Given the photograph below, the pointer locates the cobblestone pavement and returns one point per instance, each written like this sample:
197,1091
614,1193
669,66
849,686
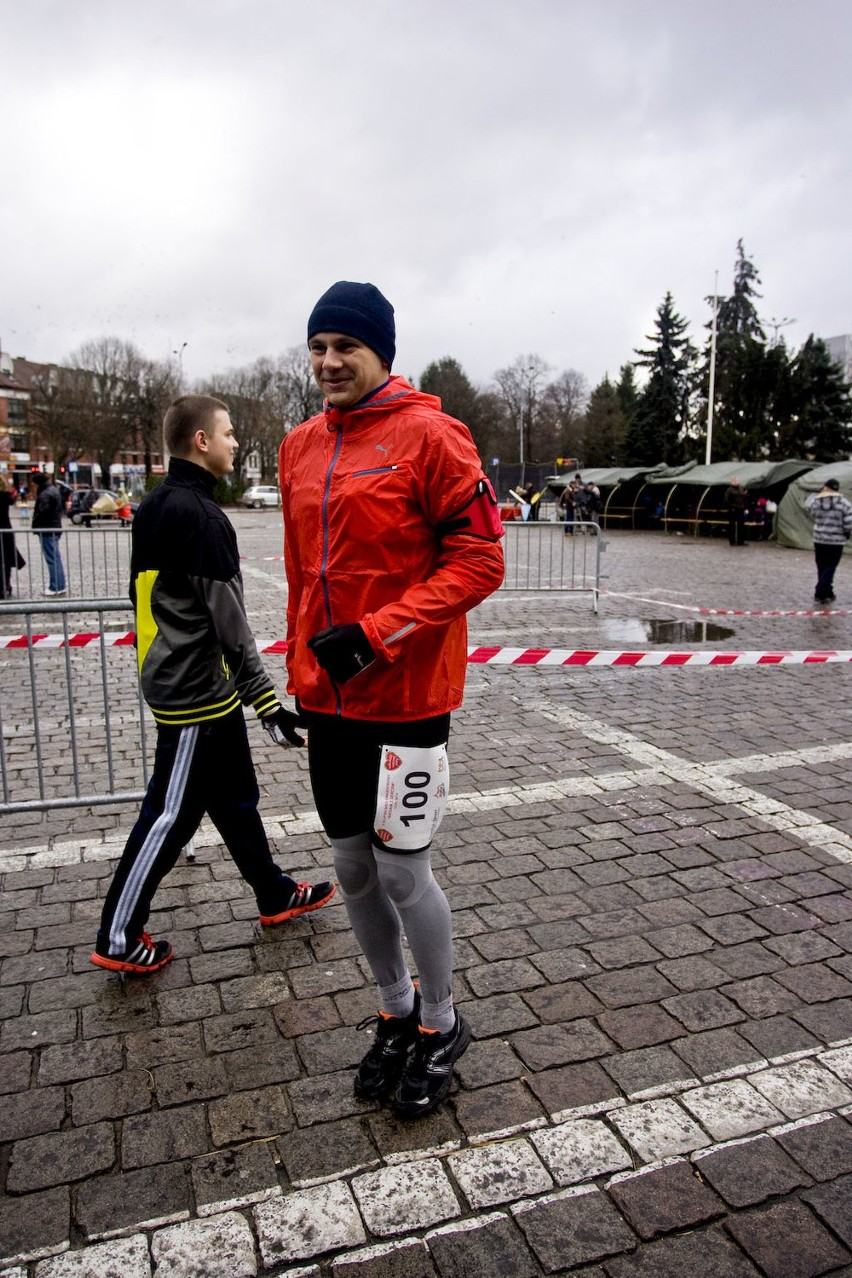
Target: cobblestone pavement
650,872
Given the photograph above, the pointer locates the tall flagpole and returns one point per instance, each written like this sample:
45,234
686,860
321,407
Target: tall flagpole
711,394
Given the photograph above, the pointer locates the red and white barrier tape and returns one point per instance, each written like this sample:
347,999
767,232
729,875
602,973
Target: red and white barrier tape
488,656
732,612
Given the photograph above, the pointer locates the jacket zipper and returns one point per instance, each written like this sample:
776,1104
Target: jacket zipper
375,470
325,536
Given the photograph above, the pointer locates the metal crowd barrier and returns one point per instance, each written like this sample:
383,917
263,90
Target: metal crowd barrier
541,556
96,562
73,724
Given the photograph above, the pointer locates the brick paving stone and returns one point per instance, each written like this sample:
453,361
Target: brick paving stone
249,1115
703,1010
400,1142
17,1072
730,1109
400,1259
195,1003
777,1036
323,1099
494,1109
762,996
396,1200
110,1205
236,1030
839,1061
815,983
40,1030
490,1246
148,1139
781,919
643,1026
750,958
801,1088
41,1162
564,965
677,942
335,1049
701,1252
572,1228
32,1113
111,1096
305,1016
802,947
622,952
564,1001
568,1087
304,1224
509,944
786,1240
67,1062
658,1129
221,1247
647,1068
732,929
715,1052
747,1172
831,1022
327,1150
632,986
113,1014
152,1047
692,973
823,1149
503,977
833,1203
499,1173
668,1198
34,1225
490,1061
183,1081
550,1045
124,1258
580,1150
234,1178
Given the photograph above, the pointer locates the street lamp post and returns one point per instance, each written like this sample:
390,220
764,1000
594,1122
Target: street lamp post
711,392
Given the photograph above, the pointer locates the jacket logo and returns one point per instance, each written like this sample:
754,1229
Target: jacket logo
380,448
392,761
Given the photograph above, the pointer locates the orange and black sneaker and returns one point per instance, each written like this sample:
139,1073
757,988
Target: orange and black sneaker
384,1064
301,901
429,1071
139,959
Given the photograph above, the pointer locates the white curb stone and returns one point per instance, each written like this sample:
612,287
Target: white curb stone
220,1247
499,1173
839,1062
658,1129
397,1200
802,1088
302,1225
123,1258
580,1150
731,1109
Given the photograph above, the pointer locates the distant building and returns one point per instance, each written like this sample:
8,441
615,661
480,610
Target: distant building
840,350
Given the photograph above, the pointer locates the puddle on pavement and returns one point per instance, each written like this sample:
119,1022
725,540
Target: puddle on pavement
632,630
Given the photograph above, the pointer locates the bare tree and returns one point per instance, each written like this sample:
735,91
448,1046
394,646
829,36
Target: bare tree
521,388
112,371
565,400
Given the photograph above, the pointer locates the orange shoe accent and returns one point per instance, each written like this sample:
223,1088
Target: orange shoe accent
269,920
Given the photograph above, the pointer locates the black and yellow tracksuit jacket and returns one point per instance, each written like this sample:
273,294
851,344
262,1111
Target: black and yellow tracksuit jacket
197,656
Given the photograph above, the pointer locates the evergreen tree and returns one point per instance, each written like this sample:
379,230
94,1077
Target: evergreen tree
604,427
662,410
480,411
819,425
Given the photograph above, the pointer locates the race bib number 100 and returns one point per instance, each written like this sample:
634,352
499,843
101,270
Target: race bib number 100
412,794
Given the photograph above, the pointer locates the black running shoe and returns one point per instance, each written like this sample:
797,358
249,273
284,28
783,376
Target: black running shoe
429,1072
139,959
383,1066
302,901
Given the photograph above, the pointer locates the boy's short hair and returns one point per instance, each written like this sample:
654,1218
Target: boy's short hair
184,417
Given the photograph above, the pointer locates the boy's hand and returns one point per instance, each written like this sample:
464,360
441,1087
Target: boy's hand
342,651
282,726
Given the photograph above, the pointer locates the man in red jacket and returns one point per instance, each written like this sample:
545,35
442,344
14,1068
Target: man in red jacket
391,536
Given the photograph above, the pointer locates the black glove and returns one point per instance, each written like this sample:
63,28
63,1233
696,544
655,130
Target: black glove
282,726
342,651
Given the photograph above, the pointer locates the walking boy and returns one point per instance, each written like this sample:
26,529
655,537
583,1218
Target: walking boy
199,666
832,516
391,536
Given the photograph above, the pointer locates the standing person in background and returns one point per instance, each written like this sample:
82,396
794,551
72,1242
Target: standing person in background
10,556
832,516
735,501
566,504
198,666
391,535
47,522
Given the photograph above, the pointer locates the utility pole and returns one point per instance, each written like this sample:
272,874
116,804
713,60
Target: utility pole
711,393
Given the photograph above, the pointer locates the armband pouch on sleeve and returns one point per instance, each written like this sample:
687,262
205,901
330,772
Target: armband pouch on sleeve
480,517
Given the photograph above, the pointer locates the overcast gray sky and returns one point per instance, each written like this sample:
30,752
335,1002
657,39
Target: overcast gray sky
515,175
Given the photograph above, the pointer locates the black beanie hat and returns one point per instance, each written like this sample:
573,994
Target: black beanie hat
833,484
360,311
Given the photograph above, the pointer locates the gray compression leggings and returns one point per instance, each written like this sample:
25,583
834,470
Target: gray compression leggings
384,893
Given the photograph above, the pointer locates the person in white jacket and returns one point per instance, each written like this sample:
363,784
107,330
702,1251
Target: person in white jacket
832,516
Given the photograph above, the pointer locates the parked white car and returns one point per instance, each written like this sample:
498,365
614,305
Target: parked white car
261,495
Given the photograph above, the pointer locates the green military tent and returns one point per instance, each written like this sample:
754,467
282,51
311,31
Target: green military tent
793,525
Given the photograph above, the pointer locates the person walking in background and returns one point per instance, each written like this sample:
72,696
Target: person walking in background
47,522
566,504
391,535
735,502
198,665
832,516
10,556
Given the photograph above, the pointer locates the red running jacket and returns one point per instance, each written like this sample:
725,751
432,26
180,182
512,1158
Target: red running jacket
389,522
